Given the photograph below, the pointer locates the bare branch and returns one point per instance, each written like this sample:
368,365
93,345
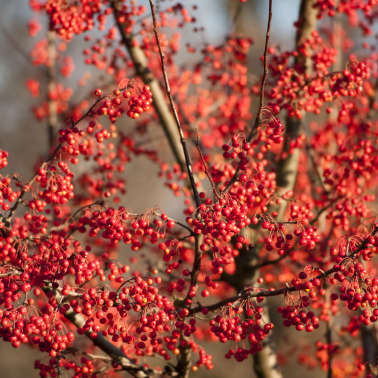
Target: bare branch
101,342
139,59
329,352
188,162
369,340
264,77
52,124
262,94
288,166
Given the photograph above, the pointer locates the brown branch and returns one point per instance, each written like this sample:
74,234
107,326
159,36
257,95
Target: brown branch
264,361
264,77
262,95
183,366
329,352
188,162
52,124
369,341
139,59
101,342
236,15
206,169
196,267
288,166
323,209
315,167
273,261
329,335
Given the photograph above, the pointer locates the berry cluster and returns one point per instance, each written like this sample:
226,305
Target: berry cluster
70,19
356,10
7,194
138,101
3,159
232,328
301,319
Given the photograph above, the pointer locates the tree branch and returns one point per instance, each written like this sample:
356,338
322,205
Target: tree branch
51,157
369,340
52,124
101,342
329,352
262,93
264,361
183,366
188,162
139,59
246,294
288,166
265,75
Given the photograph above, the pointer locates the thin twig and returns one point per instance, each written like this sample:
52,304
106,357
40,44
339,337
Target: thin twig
329,351
184,358
13,41
264,77
322,210
287,167
198,252
211,181
262,95
140,62
188,162
52,124
315,167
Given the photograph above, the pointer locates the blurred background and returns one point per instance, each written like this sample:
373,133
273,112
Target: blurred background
26,139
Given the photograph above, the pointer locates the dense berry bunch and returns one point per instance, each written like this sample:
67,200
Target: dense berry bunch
138,101
234,329
70,18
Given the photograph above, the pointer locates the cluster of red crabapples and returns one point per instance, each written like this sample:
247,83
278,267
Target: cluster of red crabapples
233,328
355,298
139,101
116,225
238,149
83,368
55,183
110,313
301,319
353,9
312,93
3,159
7,194
220,220
75,18
39,330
